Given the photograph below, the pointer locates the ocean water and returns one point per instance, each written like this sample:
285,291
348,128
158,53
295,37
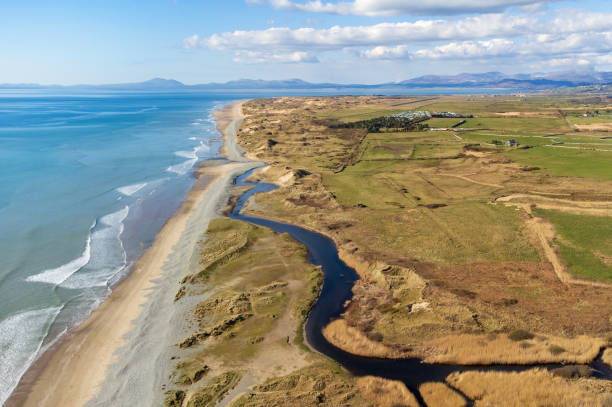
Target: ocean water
86,182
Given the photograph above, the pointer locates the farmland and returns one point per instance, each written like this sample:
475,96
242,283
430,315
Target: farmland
489,238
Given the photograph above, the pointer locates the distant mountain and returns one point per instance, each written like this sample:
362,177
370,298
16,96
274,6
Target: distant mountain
252,84
495,80
154,84
519,81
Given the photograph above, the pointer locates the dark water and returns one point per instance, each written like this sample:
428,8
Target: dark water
337,284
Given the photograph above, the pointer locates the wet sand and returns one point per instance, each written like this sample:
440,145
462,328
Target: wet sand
115,355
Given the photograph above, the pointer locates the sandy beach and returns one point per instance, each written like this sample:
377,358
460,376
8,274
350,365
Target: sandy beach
120,354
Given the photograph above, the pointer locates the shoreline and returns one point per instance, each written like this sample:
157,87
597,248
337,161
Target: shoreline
77,367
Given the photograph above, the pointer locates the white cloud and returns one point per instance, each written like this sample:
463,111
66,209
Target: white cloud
468,49
385,8
383,52
191,42
527,37
569,62
373,35
578,50
254,57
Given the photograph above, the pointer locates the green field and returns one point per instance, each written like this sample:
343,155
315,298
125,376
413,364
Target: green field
517,124
442,122
585,243
566,162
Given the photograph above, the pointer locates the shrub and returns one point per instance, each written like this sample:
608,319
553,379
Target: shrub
555,350
520,335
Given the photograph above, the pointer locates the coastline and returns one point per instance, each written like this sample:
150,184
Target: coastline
74,370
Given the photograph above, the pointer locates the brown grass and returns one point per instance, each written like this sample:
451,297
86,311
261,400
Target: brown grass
535,387
594,127
440,395
352,340
500,349
320,385
607,357
386,393
540,115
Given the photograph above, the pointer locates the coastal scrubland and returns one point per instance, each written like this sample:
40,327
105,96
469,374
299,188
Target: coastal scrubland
245,344
260,287
484,243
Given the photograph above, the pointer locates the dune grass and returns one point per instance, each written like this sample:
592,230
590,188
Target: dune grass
318,385
263,286
214,390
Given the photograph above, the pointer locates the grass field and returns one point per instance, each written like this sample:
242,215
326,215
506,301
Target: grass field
518,124
566,162
441,122
585,243
428,203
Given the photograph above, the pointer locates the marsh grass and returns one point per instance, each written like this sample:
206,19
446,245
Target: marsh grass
440,395
607,357
520,335
352,340
499,349
532,388
386,393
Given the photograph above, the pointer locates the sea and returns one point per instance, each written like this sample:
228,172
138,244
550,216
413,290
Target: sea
87,180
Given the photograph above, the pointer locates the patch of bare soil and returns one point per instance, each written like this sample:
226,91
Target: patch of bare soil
579,207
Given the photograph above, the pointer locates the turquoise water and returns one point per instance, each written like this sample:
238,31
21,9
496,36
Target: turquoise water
86,181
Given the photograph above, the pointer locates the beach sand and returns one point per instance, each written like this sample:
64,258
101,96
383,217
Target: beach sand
121,354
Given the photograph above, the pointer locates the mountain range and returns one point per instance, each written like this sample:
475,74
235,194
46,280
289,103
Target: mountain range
494,80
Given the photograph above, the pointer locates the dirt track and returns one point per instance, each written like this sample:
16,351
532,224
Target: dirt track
544,232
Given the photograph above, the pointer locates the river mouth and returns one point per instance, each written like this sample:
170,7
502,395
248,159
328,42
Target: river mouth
338,281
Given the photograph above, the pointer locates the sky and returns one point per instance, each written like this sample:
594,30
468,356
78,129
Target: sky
343,41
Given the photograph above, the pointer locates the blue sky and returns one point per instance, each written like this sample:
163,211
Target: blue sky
366,41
